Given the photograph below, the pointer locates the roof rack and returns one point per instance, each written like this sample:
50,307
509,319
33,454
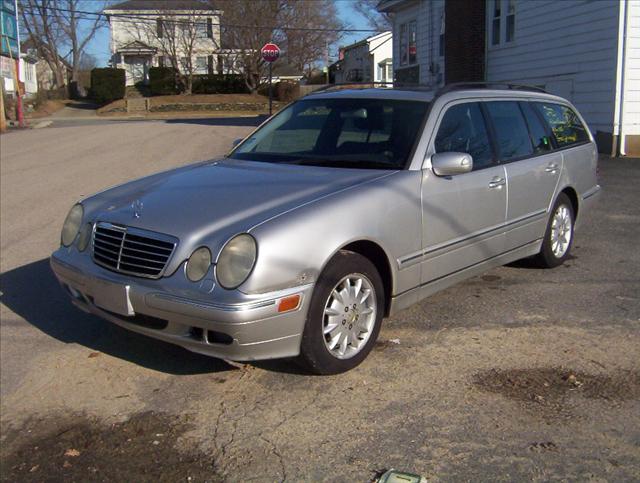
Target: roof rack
487,85
357,85
425,87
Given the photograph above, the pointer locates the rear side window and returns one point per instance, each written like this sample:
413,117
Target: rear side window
537,130
565,124
512,134
463,130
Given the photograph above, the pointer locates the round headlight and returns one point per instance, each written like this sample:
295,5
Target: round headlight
71,225
198,264
85,236
236,261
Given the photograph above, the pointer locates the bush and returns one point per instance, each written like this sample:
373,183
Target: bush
162,81
219,84
283,91
287,91
107,84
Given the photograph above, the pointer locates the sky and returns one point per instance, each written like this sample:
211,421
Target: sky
99,46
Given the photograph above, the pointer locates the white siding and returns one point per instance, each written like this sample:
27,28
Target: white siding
428,15
569,47
380,48
631,104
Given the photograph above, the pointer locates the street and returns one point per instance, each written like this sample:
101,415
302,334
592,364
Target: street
519,374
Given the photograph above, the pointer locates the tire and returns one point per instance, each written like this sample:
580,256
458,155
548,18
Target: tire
335,320
552,255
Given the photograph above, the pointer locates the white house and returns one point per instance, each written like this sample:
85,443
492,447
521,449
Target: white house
146,33
586,51
369,60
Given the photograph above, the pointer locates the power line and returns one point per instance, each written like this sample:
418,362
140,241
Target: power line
86,15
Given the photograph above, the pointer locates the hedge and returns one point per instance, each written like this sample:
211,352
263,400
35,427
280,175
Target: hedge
107,84
162,81
219,84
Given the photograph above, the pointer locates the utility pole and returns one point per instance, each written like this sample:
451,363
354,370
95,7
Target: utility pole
19,105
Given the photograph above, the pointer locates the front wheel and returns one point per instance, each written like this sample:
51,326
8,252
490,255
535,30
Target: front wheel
559,235
344,317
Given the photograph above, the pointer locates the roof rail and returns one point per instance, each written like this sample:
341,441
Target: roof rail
344,85
456,86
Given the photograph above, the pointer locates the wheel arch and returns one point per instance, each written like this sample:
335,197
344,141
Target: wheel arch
376,255
573,197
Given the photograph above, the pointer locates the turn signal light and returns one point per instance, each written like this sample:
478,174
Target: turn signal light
289,303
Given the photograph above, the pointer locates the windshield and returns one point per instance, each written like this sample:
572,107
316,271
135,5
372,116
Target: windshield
348,133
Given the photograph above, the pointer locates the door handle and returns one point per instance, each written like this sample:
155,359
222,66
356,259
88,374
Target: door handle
551,168
497,182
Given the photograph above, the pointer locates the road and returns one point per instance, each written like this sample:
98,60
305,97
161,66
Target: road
519,374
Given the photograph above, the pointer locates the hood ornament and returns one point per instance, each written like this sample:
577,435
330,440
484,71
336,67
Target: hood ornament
137,206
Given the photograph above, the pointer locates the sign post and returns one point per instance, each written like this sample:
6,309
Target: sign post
270,53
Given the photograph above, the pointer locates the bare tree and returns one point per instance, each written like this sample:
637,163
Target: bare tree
303,28
375,19
58,26
76,36
304,48
41,26
246,26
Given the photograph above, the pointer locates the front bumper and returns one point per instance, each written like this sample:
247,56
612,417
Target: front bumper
232,326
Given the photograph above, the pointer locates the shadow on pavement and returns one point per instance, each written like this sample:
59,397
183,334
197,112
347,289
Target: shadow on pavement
222,121
33,293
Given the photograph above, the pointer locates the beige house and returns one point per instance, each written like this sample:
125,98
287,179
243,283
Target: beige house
147,33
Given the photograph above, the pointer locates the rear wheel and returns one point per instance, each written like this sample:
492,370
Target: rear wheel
558,238
344,316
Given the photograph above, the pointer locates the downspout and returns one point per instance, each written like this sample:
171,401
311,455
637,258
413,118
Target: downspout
619,149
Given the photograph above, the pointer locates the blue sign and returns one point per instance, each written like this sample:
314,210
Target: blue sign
8,29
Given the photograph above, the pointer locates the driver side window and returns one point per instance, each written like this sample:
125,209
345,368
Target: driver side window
463,130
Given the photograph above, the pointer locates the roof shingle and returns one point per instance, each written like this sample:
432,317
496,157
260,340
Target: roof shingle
161,5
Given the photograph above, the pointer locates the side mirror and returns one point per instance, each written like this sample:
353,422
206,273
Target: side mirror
236,142
451,163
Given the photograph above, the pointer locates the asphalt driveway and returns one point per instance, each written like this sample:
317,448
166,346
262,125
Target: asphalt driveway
517,374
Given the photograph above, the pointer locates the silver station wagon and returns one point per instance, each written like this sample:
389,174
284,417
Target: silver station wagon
345,207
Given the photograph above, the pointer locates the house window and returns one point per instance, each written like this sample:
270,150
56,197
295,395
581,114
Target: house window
408,44
202,65
159,30
511,20
495,23
503,13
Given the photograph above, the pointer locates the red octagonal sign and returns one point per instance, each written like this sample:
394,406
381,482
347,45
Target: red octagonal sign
270,52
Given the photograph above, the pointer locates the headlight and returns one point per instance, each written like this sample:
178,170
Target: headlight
71,225
198,264
85,236
236,261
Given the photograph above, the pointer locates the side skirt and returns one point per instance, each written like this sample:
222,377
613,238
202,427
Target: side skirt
414,295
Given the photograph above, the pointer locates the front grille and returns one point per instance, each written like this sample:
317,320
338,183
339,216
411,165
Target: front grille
131,251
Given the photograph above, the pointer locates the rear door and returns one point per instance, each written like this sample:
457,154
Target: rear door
463,215
525,148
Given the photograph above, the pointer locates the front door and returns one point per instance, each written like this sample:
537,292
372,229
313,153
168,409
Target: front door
463,215
137,68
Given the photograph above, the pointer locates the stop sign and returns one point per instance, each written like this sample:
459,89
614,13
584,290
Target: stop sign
270,52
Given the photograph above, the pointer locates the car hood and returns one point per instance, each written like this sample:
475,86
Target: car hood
207,203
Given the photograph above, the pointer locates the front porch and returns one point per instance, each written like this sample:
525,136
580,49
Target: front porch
135,58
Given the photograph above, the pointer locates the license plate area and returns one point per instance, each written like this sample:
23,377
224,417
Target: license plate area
113,297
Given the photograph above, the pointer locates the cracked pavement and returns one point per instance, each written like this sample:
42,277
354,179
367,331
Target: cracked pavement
415,406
